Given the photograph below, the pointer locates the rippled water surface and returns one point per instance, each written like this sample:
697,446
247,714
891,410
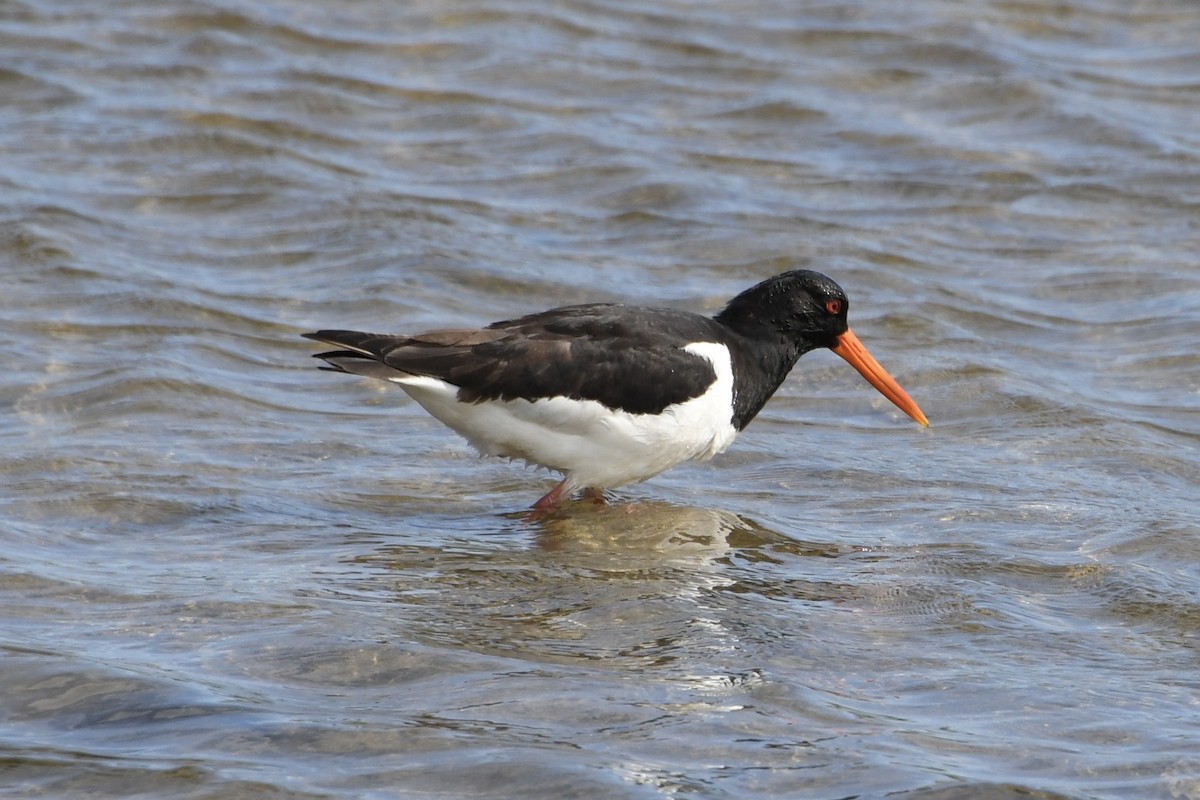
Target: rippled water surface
226,574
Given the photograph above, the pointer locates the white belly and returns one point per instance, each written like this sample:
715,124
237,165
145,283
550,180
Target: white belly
593,445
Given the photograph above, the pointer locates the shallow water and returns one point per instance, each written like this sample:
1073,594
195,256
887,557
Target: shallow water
226,574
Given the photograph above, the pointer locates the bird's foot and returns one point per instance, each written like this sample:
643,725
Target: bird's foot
552,498
596,496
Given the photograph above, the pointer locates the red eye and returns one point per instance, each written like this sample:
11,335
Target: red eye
834,307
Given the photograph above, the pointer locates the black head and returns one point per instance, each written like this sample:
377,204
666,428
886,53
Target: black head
783,318
803,308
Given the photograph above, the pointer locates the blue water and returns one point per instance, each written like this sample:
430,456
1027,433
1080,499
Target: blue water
227,574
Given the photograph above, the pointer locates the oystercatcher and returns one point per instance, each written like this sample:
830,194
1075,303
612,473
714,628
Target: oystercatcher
611,394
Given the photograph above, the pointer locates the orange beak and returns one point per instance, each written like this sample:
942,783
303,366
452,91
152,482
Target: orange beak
851,349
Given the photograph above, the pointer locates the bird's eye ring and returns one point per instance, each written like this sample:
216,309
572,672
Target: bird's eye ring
834,307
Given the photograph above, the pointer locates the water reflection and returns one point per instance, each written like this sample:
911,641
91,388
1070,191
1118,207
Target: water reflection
638,535
624,584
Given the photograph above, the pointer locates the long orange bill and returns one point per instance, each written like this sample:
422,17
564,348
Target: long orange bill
851,349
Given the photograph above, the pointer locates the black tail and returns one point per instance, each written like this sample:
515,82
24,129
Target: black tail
363,356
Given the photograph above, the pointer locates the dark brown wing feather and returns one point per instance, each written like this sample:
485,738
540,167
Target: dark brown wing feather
628,359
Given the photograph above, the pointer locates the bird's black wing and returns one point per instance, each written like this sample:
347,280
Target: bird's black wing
628,359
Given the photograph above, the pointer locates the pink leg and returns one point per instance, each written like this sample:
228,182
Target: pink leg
552,498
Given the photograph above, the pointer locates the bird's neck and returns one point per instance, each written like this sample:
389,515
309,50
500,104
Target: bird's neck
760,365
